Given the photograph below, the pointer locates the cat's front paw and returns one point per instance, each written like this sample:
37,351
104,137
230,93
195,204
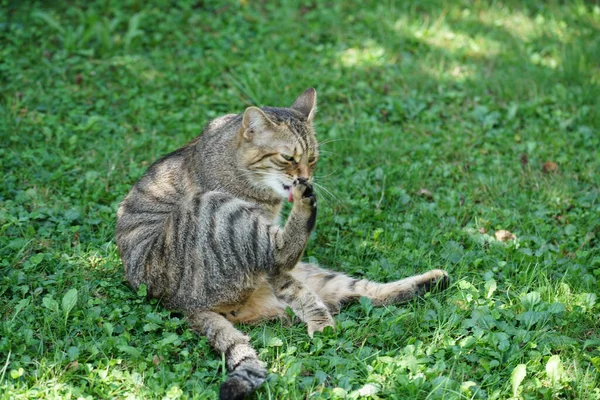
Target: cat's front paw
303,193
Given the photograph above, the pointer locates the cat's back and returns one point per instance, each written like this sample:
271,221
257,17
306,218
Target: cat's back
221,129
142,214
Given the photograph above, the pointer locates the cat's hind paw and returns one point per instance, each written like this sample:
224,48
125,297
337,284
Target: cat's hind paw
319,326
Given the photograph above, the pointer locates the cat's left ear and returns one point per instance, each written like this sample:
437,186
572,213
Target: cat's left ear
306,103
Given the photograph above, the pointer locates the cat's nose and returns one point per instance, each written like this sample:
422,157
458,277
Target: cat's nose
302,179
303,170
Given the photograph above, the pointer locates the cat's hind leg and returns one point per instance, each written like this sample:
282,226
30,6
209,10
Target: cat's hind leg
305,303
260,306
246,371
336,289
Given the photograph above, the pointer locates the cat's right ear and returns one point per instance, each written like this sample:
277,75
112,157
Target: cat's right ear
255,121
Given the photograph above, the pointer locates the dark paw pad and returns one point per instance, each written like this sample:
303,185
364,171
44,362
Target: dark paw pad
305,187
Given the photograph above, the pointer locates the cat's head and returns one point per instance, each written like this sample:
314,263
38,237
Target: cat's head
278,145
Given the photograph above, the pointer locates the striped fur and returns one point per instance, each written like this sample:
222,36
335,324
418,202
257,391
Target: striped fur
199,230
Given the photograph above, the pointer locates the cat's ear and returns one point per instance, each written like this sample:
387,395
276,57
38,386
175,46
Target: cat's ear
306,103
255,121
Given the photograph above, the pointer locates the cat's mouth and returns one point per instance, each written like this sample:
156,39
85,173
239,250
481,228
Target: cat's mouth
288,189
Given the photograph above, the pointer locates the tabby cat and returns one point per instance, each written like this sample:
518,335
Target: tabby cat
200,229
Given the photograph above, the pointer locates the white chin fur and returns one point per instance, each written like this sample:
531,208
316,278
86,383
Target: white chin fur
276,185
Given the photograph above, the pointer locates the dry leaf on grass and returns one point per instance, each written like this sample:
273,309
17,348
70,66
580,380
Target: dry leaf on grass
482,230
504,236
549,166
73,365
425,193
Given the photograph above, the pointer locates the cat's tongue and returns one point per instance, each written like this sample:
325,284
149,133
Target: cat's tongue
290,197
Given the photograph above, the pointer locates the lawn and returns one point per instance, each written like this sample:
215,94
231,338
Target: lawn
442,122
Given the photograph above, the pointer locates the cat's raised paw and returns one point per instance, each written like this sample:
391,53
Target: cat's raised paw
303,192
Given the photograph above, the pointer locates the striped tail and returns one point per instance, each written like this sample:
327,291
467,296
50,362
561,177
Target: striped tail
246,371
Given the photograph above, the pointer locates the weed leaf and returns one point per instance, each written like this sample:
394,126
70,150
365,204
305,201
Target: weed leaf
554,369
50,303
142,291
21,305
69,300
366,304
108,328
517,377
50,20
490,287
530,300
132,351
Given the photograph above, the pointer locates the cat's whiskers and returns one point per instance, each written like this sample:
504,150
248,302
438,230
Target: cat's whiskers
329,174
322,189
330,141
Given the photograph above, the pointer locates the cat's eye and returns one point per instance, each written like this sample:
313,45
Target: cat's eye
287,158
312,160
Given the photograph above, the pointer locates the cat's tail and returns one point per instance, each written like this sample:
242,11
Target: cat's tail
246,371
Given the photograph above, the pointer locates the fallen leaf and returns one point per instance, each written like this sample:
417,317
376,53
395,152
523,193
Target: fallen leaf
562,219
425,193
504,236
75,241
482,230
549,166
73,365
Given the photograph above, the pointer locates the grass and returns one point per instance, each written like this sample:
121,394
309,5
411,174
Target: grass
492,108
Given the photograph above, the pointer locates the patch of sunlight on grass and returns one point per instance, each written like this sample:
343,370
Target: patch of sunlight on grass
448,70
545,60
524,27
516,23
441,36
370,54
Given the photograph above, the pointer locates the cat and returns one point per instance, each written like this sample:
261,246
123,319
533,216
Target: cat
200,229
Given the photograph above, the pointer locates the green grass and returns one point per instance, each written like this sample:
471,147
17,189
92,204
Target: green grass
465,99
